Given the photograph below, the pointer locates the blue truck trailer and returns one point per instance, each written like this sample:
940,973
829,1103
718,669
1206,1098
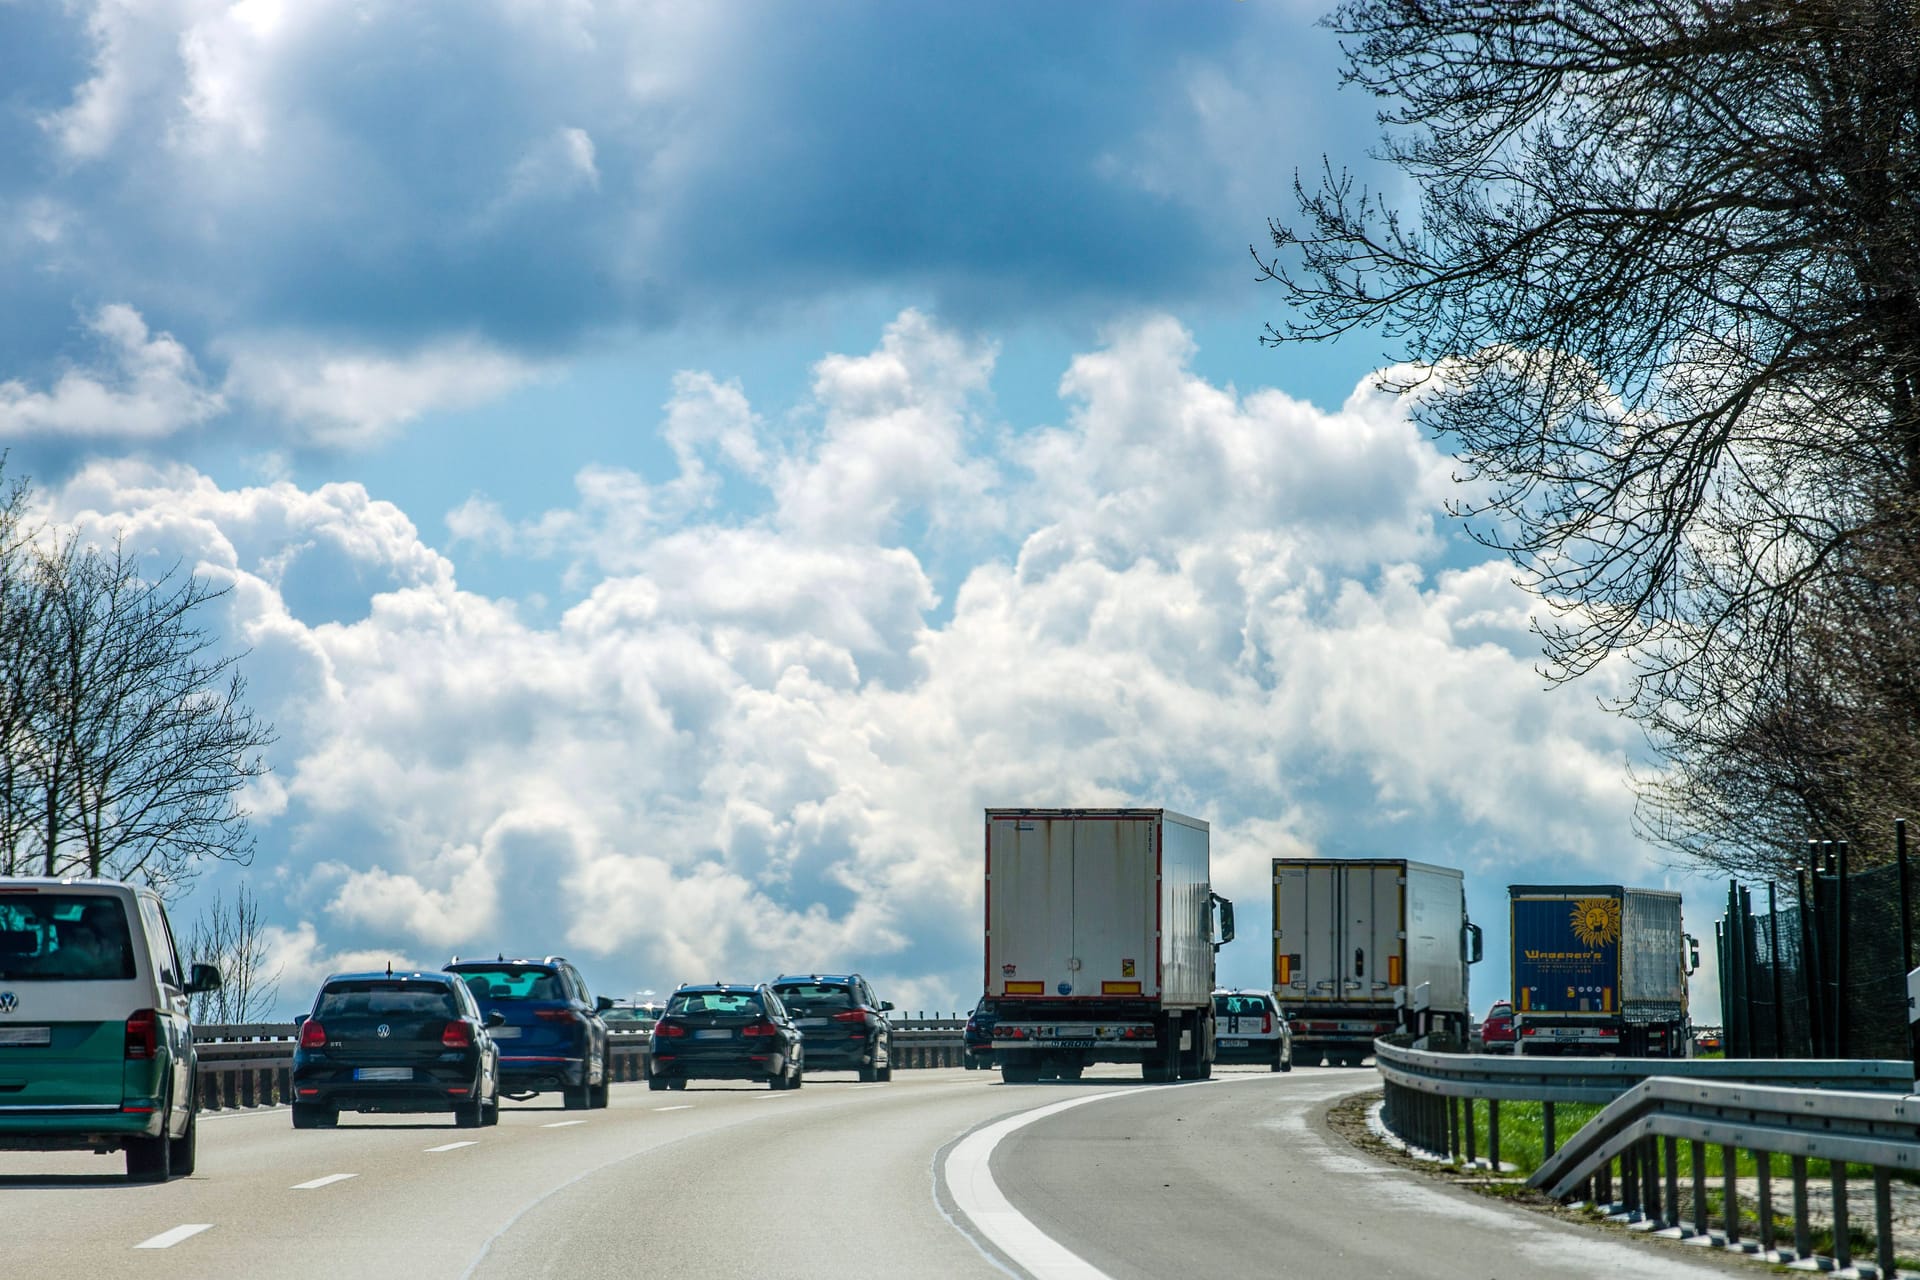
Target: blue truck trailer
1600,969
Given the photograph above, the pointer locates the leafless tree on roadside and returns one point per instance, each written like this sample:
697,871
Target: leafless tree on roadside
1661,296
229,935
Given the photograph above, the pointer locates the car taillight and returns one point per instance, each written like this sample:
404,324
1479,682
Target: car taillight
851,1015
1266,1024
554,1015
760,1028
312,1035
143,1035
458,1035
667,1030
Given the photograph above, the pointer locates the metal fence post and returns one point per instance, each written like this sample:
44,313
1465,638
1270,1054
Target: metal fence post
1883,1255
1729,1168
1671,1150
1493,1133
1842,1033
1546,1114
1842,1233
1698,1151
1802,1230
1764,1162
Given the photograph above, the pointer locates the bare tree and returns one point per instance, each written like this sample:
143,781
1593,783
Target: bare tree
230,936
1662,297
125,742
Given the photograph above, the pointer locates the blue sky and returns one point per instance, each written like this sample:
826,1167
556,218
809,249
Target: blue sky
676,464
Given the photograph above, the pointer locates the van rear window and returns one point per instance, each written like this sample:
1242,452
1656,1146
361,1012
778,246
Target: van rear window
1240,1006
64,937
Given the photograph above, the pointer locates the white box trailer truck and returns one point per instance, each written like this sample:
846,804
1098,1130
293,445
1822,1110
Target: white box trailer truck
1364,947
1100,941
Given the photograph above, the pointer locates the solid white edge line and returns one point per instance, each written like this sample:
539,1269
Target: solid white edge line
168,1239
453,1146
970,1183
317,1183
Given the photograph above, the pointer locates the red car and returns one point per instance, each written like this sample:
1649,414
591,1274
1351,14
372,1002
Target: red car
1496,1033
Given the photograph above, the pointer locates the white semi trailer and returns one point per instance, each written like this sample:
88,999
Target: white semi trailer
1100,941
1363,947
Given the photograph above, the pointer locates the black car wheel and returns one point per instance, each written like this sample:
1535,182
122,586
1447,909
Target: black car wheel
184,1147
658,1083
468,1115
149,1159
676,1084
577,1099
868,1073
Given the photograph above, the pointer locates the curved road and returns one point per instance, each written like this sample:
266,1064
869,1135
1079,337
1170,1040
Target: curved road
1235,1176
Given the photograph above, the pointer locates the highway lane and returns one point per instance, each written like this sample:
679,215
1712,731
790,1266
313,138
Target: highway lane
837,1179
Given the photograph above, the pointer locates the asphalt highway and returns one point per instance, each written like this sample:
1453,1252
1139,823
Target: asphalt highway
938,1173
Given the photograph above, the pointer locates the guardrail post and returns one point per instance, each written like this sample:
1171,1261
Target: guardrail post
1697,1151
1763,1160
1603,1183
1472,1137
1650,1192
1672,1154
1730,1166
1842,1235
1546,1114
1454,1145
1630,1181
1802,1231
1493,1133
1883,1221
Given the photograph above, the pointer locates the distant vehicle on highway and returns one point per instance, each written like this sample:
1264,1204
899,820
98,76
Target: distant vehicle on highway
395,1042
552,1037
1496,1032
976,1039
1251,1028
96,1048
1600,968
726,1031
845,1025
632,1015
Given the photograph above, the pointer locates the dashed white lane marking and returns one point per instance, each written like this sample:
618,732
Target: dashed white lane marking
453,1146
685,1106
562,1124
327,1181
168,1239
854,1088
773,1097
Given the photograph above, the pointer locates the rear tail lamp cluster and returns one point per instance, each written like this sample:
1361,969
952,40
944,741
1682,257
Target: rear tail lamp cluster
458,1035
668,1030
851,1015
312,1035
143,1035
554,1015
760,1028
1266,1024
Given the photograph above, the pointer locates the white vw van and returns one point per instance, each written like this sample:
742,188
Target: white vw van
96,1049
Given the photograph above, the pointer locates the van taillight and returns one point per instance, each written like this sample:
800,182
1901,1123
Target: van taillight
458,1035
312,1035
143,1035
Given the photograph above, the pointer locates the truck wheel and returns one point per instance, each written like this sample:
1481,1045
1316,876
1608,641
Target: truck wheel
1019,1072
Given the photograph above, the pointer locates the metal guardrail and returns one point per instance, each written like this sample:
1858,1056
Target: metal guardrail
1841,1110
1640,1133
251,1064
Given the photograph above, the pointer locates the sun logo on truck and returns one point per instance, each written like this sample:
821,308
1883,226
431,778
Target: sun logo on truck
1596,921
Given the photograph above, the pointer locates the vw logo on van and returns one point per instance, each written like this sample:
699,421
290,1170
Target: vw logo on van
383,1031
8,1002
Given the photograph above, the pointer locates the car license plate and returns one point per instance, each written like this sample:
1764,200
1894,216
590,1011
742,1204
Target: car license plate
1233,1044
25,1037
506,1033
383,1073
713,1033
812,1022
1568,1033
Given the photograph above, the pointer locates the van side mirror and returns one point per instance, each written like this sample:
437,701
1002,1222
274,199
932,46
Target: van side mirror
1474,944
886,1006
202,978
602,1004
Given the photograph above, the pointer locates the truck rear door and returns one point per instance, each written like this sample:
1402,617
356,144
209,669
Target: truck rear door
1372,946
1071,906
1338,927
1029,903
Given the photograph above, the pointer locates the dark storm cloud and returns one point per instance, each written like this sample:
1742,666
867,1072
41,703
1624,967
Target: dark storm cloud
390,174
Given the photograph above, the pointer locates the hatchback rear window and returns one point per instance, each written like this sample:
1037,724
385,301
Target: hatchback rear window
722,1002
510,982
1240,1006
385,999
64,937
814,995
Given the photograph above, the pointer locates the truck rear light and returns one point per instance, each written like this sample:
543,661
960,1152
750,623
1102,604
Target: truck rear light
1530,1031
1012,1033
760,1028
457,1035
143,1035
312,1035
1609,1031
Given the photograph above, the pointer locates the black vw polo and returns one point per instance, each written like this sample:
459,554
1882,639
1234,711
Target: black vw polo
395,1042
725,1032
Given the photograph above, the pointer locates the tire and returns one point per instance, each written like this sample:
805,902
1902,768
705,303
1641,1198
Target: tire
1283,1062
1019,1072
490,1115
468,1115
185,1147
886,1073
150,1159
577,1099
601,1096
1073,1070
868,1073
676,1084
657,1083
